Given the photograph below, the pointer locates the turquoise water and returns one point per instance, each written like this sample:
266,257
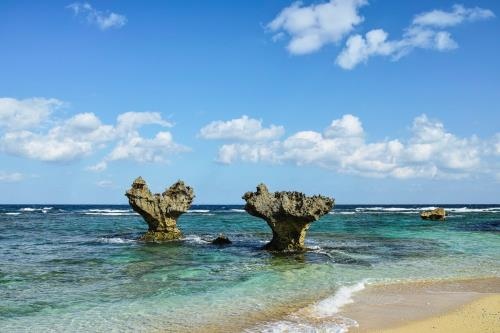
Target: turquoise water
79,268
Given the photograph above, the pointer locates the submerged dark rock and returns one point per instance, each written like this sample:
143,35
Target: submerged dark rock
438,214
221,240
289,215
160,211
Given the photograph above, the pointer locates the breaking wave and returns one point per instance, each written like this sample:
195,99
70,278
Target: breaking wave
109,212
195,239
321,316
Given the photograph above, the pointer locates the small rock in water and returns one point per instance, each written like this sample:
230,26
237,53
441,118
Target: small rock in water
221,240
438,214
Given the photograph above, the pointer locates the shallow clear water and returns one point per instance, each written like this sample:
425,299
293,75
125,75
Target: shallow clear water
70,268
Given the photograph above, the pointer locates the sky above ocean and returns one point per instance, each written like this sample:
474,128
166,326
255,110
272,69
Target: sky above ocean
366,101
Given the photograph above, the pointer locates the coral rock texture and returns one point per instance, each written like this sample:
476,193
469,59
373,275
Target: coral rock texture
160,211
438,214
289,215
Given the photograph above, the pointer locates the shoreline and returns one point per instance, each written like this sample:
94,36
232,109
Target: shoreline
422,306
367,307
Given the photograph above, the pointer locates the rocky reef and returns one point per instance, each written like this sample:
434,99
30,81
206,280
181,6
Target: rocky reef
289,215
160,211
438,214
221,240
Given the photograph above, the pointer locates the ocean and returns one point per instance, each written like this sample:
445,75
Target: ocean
80,268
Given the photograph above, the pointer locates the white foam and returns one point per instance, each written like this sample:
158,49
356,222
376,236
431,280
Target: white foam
331,305
30,209
27,209
342,213
341,325
110,213
108,210
405,210
318,317
232,210
11,213
474,210
198,211
392,209
116,240
194,239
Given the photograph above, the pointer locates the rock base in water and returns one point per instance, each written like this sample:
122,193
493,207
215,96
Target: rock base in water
438,214
288,214
221,240
160,211
161,236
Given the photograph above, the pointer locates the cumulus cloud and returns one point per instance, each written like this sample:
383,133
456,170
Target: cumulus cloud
241,129
142,149
10,177
246,152
309,28
103,20
312,27
84,133
430,152
423,33
26,113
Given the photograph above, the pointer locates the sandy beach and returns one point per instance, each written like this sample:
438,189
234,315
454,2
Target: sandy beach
444,306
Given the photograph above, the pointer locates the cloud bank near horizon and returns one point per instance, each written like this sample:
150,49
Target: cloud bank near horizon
30,129
430,152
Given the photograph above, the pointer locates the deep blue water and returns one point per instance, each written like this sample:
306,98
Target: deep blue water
80,268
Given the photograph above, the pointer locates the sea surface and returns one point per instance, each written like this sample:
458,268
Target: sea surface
66,268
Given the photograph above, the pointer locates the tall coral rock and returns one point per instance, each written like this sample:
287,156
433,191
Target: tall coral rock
160,211
289,215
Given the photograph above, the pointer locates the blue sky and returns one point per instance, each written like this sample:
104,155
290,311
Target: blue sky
365,101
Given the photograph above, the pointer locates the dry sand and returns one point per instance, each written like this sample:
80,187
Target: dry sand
447,306
482,315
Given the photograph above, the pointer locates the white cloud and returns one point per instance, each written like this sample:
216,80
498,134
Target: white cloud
84,133
99,167
242,129
104,183
459,14
230,153
26,113
141,149
347,126
44,147
359,49
421,33
103,20
312,27
10,177
129,121
431,151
